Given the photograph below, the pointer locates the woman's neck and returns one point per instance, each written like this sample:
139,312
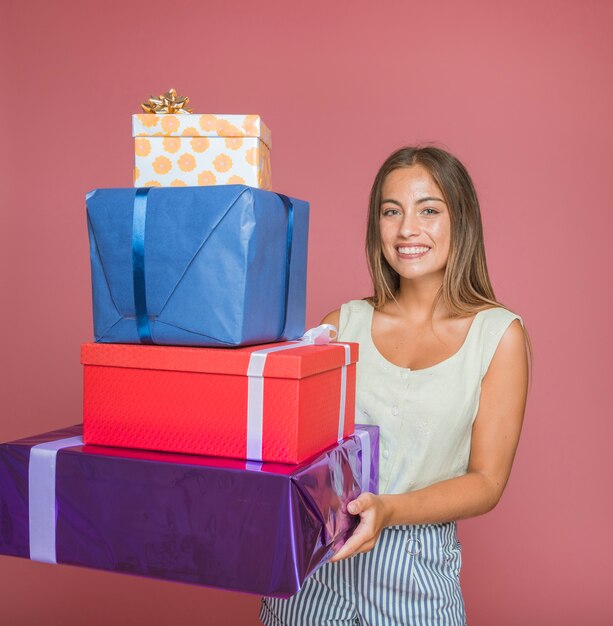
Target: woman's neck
415,298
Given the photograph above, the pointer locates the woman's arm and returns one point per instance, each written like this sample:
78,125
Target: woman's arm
495,436
332,318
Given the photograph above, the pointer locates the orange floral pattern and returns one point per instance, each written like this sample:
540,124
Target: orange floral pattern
222,163
152,183
170,124
264,173
149,120
171,144
202,125
233,143
201,150
225,129
252,156
206,178
208,123
162,165
221,126
200,144
251,125
187,162
142,146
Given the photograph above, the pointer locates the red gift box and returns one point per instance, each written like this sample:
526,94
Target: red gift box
280,402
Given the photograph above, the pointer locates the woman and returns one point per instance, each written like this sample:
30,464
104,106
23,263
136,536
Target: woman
443,372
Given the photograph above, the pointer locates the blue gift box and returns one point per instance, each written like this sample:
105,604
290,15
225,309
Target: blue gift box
200,266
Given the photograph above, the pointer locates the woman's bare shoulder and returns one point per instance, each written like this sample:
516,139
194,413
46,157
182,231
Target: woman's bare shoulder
358,307
332,318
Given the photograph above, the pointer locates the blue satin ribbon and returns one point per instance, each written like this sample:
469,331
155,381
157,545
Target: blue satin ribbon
138,265
290,232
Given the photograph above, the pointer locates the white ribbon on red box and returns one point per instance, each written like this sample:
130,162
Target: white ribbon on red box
320,335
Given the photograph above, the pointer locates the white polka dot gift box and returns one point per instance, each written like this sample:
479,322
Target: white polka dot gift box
176,148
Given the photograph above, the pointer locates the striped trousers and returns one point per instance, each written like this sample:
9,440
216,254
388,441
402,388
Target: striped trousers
410,578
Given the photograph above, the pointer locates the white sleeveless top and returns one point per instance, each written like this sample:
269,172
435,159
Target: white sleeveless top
425,416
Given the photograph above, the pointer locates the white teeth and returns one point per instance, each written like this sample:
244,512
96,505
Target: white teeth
413,250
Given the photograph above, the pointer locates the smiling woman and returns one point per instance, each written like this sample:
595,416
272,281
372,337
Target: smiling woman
414,226
443,372
466,285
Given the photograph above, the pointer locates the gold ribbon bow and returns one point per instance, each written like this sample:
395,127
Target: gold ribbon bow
167,102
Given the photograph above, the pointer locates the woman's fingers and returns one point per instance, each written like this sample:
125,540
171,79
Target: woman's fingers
360,504
365,535
352,545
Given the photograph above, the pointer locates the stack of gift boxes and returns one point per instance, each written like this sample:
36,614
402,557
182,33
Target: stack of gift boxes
219,445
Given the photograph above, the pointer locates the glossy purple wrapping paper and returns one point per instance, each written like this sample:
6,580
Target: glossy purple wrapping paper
254,527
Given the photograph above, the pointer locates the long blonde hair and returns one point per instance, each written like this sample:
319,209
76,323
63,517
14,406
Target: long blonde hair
466,287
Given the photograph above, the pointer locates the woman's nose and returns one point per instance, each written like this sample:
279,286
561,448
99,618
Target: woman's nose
409,225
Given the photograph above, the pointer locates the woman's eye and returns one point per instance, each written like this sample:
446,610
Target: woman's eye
391,212
429,211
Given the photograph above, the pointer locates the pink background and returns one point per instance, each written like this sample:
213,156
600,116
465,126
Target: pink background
521,92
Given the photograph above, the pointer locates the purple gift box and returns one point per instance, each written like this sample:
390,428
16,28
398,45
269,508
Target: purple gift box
254,527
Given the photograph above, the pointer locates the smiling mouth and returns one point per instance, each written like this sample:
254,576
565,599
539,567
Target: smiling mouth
411,252
412,249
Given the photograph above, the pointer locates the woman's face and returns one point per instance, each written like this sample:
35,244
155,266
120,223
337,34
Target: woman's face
415,224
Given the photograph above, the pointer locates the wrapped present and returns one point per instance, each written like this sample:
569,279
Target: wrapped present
280,402
204,266
251,527
177,150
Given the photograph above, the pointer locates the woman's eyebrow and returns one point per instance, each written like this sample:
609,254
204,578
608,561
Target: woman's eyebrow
430,199
392,201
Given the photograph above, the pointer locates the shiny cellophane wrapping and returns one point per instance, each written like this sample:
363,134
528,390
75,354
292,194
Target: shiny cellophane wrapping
260,528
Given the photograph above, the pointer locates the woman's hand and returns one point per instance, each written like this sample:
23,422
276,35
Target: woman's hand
373,514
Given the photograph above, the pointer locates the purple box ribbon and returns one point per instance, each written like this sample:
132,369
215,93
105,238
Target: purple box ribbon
41,497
